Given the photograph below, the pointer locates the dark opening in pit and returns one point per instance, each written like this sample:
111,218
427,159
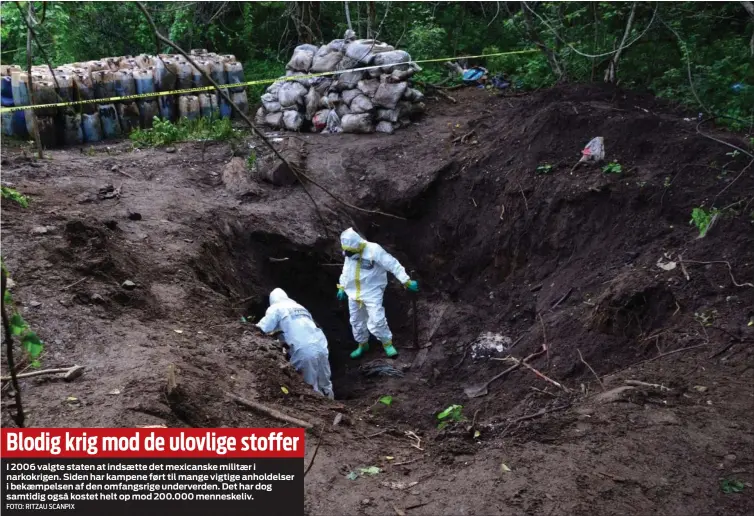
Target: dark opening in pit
250,265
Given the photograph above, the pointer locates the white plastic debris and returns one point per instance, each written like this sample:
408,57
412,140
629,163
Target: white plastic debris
594,150
490,344
665,263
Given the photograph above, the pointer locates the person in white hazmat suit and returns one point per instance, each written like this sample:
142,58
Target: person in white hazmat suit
363,282
307,343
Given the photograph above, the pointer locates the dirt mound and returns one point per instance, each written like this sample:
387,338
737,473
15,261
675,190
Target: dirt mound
506,238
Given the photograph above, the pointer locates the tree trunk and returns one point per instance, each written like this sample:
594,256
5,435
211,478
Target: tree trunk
348,16
613,65
552,58
303,19
371,19
749,6
35,122
594,45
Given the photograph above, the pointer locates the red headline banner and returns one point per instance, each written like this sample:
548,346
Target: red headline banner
153,442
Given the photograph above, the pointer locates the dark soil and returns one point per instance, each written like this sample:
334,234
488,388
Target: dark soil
567,258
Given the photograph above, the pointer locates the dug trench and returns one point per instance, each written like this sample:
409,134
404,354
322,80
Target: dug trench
504,235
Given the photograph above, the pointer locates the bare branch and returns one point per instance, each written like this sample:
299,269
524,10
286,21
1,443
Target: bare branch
579,52
348,16
552,58
496,13
610,72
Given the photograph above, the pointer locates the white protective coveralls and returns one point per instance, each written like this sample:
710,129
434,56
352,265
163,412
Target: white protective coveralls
308,345
364,279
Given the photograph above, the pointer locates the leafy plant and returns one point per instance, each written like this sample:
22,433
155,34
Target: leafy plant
545,168
612,168
702,219
452,414
30,341
731,486
706,318
15,195
386,400
251,160
164,132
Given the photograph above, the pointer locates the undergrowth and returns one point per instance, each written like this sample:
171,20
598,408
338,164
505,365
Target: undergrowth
15,195
164,132
702,219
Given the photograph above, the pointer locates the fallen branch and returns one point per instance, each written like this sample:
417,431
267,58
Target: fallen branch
683,267
730,271
119,171
565,296
465,137
540,413
481,390
590,368
526,203
543,392
637,383
267,411
413,436
723,350
319,441
544,339
734,180
405,462
71,373
546,378
661,355
74,284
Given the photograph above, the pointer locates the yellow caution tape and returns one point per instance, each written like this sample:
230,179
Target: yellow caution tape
245,84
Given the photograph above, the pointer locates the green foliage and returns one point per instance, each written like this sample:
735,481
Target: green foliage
452,414
15,195
702,219
731,486
612,168
386,400
712,39
265,68
251,160
164,132
30,341
544,168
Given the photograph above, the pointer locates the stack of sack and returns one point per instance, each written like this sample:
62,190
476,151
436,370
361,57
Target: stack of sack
363,101
117,77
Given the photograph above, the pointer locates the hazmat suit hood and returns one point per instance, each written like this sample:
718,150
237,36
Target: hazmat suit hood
278,295
351,241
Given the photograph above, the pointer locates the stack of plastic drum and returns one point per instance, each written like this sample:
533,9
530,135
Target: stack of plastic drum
111,78
13,123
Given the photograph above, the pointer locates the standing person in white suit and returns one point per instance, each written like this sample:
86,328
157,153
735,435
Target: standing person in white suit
307,343
363,282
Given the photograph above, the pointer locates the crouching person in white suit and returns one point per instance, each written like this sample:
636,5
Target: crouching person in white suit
307,343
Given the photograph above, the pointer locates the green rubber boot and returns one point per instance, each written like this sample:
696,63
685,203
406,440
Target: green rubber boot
364,346
390,351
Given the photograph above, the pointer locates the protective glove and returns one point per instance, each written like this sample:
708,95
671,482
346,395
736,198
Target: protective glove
342,295
412,286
